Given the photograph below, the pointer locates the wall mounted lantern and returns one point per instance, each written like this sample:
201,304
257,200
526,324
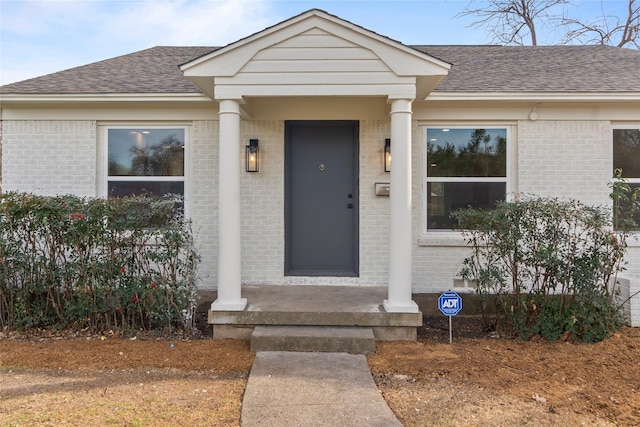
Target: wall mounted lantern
252,156
387,155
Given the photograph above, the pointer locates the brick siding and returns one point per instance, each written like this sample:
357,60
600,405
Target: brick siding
202,196
49,157
565,158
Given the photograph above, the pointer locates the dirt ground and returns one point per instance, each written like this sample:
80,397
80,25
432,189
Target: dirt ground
483,380
478,380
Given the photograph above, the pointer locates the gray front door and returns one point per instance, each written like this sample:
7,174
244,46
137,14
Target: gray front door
321,198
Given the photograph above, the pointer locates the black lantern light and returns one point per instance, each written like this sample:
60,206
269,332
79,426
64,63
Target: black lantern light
387,155
252,156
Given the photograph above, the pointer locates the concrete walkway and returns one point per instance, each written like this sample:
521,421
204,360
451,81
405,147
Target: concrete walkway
313,389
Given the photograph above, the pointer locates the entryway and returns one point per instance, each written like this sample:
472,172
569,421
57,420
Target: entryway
321,198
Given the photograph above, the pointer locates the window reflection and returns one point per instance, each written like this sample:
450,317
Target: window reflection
147,188
447,197
146,161
146,152
626,156
465,168
626,152
467,152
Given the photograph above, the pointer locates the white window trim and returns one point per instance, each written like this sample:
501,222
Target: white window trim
633,241
452,237
104,170
624,126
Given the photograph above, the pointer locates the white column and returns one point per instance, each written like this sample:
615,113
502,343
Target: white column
229,264
400,228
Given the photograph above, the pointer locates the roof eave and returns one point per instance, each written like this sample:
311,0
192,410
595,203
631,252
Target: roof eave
535,96
433,96
6,98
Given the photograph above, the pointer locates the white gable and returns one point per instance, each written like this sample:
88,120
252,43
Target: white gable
316,54
315,51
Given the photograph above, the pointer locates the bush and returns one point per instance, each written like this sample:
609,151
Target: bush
95,264
551,265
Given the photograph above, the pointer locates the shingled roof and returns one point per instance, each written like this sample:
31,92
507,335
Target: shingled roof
541,69
535,69
153,70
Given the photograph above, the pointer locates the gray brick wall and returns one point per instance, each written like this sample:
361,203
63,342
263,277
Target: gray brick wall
49,157
374,210
565,158
203,196
262,204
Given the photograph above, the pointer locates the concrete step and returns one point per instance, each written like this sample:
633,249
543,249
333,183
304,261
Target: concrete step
355,340
314,318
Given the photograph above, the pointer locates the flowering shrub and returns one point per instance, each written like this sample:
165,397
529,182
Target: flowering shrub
549,265
95,264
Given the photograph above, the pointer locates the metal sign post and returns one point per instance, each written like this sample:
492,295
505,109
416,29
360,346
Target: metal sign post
450,304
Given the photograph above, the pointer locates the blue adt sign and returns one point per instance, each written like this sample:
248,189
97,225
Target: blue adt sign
450,303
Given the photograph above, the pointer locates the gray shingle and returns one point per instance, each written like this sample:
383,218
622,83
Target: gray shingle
538,68
543,69
153,70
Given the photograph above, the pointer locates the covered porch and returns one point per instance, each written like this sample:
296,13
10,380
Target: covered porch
306,67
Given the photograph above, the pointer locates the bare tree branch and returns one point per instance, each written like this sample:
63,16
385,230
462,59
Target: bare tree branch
631,32
514,21
605,30
511,21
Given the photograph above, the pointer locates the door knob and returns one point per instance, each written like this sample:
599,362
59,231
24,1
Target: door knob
350,206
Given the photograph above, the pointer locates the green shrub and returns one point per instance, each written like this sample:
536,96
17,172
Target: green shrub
95,264
551,265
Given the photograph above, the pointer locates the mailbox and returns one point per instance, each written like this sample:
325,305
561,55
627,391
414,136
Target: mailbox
382,188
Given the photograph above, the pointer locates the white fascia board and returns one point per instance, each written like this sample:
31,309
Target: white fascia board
395,47
238,53
227,61
244,41
534,96
400,91
404,60
102,97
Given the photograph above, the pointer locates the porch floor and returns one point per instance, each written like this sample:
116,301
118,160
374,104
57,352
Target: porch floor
310,305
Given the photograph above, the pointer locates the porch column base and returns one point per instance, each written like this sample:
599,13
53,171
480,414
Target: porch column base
218,305
405,307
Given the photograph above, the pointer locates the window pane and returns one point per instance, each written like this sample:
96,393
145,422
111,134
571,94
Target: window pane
631,224
149,188
151,218
146,152
626,152
443,198
467,152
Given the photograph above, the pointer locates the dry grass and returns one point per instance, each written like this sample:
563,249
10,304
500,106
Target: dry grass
477,381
